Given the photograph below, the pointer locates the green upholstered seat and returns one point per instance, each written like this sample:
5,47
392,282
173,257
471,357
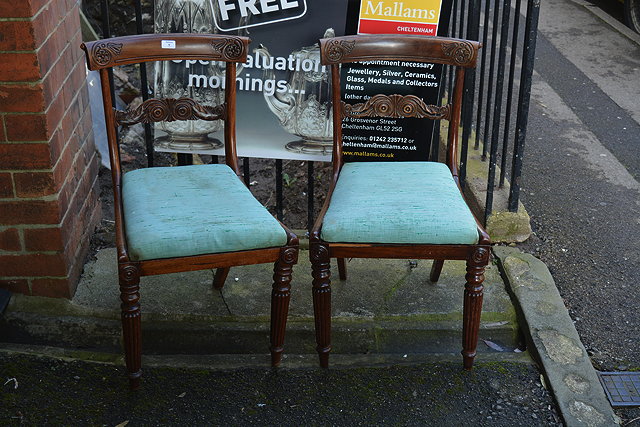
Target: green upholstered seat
193,210
398,202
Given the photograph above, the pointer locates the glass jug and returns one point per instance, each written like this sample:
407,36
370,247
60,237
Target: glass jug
304,109
200,80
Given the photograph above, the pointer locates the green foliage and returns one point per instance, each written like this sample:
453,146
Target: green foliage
288,180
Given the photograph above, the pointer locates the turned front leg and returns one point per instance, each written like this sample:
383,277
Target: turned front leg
322,300
129,278
280,296
473,292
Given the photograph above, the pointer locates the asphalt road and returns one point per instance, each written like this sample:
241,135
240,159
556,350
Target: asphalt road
581,172
580,178
46,391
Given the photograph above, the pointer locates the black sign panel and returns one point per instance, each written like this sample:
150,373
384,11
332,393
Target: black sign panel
389,139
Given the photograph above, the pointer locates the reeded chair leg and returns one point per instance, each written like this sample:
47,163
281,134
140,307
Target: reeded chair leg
321,272
473,292
436,269
220,277
129,278
342,269
280,296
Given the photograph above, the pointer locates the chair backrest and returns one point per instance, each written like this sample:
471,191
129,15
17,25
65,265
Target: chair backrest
107,53
458,53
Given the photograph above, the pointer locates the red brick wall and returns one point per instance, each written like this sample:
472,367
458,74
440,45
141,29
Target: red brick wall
48,164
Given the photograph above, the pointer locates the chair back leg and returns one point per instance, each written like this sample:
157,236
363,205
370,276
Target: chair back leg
436,269
220,277
280,296
129,278
321,272
342,269
473,292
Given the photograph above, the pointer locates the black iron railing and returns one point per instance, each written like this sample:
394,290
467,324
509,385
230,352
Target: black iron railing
507,45
489,104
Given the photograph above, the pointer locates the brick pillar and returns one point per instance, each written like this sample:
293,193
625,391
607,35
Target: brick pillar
48,163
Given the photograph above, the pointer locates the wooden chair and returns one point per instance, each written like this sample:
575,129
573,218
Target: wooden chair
397,209
173,219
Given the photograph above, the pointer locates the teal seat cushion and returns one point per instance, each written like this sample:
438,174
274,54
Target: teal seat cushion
193,210
398,202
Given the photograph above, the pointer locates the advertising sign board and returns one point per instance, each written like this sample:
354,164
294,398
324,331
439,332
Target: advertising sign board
378,139
284,108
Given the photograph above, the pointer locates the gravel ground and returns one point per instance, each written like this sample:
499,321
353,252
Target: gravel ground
50,391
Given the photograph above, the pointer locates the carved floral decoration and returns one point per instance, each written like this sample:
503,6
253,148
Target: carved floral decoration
169,110
229,49
103,52
396,106
336,50
460,52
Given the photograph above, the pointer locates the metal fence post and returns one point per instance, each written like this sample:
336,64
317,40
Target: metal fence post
148,135
279,196
491,96
473,33
310,195
531,29
512,69
483,61
497,110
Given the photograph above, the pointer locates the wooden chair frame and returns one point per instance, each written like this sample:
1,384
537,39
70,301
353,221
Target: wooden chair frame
104,54
461,54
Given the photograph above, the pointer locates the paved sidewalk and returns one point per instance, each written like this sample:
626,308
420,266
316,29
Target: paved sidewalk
393,328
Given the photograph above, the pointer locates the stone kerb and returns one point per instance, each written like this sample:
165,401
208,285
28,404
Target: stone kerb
555,341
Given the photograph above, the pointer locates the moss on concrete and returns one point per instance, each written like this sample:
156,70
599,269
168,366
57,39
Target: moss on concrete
502,225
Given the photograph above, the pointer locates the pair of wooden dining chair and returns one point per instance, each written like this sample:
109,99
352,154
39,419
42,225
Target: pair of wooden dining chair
187,218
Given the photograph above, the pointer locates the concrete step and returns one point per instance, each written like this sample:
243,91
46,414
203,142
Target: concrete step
384,307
